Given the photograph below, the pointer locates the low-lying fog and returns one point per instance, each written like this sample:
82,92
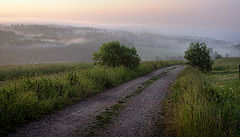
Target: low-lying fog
23,44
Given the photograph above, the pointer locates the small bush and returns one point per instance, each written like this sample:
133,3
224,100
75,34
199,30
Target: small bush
114,54
197,55
218,56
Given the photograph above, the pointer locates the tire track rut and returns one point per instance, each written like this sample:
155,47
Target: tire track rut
141,115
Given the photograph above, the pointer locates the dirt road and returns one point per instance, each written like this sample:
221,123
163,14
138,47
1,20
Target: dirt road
136,119
141,115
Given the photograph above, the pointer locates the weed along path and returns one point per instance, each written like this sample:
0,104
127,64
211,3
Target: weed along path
126,110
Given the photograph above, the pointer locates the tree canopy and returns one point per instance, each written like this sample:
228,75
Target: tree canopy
114,54
197,55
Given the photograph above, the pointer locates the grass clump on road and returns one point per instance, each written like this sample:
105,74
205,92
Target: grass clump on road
28,98
204,104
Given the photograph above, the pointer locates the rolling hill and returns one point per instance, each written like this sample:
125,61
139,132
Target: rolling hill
24,44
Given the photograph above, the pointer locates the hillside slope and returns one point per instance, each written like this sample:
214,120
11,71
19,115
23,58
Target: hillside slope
23,44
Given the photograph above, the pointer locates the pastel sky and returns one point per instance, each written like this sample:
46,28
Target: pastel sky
213,18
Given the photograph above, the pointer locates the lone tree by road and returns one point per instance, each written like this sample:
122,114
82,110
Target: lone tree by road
198,55
114,54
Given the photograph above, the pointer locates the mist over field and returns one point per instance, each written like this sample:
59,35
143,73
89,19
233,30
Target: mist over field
25,44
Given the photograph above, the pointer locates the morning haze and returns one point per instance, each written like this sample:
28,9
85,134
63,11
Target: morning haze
119,68
215,16
157,28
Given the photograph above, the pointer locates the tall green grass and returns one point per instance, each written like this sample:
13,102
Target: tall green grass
225,69
204,105
9,72
25,99
226,64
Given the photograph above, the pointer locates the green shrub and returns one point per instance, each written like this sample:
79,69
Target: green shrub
197,55
218,56
113,54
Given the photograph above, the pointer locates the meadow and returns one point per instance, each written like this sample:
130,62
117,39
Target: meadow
36,90
204,105
9,72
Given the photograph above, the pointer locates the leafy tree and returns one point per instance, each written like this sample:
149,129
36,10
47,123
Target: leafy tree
218,56
197,55
114,54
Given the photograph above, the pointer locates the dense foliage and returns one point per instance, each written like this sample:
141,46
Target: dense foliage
198,55
114,54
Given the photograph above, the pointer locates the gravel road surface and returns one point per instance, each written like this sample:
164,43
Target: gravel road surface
137,116
140,116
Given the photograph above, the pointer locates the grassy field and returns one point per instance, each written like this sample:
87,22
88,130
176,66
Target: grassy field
9,72
204,105
25,96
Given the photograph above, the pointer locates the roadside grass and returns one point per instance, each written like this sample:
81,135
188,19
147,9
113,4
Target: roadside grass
9,72
28,98
204,105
